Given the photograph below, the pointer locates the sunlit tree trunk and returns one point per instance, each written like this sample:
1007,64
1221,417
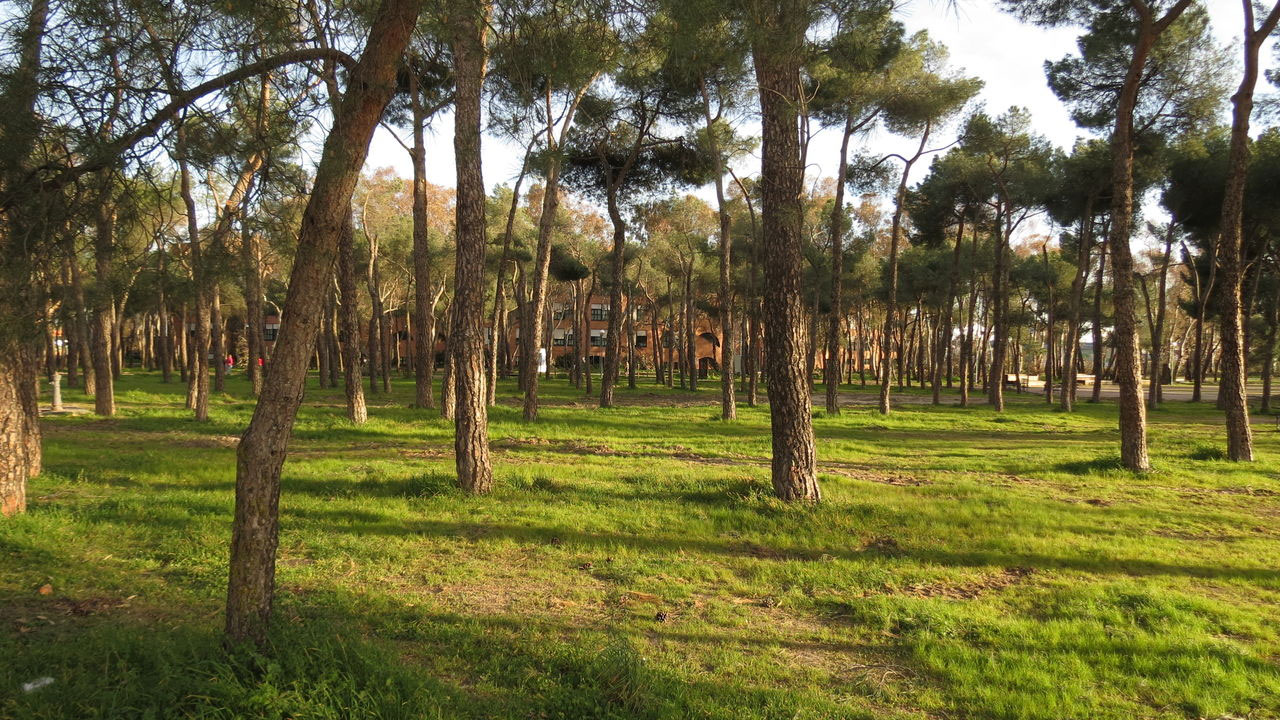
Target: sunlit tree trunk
780,30
1234,336
471,437
261,453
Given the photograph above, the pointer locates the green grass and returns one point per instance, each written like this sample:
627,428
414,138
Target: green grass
962,564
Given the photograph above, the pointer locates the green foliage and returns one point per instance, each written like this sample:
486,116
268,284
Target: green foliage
1183,90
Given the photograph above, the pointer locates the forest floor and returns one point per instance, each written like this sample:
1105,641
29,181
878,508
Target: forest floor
631,563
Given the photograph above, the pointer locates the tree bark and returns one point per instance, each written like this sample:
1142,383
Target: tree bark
1269,352
217,337
198,357
1234,345
777,56
946,321
104,401
497,319
999,310
261,453
1071,343
1098,351
1157,332
251,261
728,403
424,356
1133,420
1049,333
613,333
831,371
349,323
471,437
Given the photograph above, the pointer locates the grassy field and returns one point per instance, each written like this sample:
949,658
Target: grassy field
632,564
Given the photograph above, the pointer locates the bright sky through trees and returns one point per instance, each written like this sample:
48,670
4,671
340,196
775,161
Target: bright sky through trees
983,41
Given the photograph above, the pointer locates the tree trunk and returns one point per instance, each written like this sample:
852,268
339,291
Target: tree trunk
376,321
261,452
1234,344
348,323
778,55
1133,420
613,331
198,356
1157,332
1097,323
1071,343
999,310
19,426
1049,335
690,334
424,309
217,335
1269,352
728,403
471,423
20,449
655,344
104,401
448,387
251,261
498,319
946,321
631,336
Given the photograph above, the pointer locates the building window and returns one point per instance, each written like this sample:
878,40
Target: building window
270,331
569,339
598,339
599,313
642,341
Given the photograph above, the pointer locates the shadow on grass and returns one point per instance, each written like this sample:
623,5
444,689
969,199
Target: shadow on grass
371,523
1091,466
320,664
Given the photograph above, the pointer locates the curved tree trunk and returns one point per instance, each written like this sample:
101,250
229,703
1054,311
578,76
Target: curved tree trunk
1133,412
1234,340
261,453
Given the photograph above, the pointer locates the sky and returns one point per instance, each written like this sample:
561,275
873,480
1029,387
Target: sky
984,42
